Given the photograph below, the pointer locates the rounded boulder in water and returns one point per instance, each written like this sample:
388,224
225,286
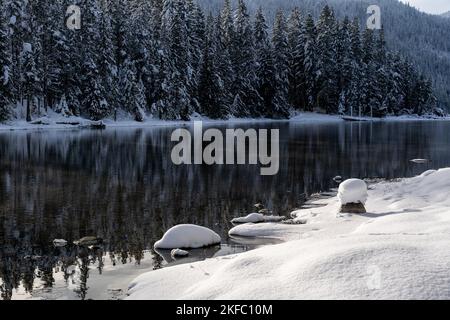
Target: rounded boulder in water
188,236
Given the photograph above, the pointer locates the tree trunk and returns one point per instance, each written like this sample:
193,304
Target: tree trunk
28,110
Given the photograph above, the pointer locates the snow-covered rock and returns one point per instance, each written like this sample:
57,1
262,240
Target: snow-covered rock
177,253
256,218
188,236
59,242
352,191
252,217
88,241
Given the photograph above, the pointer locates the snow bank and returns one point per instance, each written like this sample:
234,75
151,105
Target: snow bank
188,236
257,217
398,250
352,191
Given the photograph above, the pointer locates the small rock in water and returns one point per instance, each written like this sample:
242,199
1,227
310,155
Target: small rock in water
251,218
88,241
264,211
357,208
420,161
338,179
178,253
59,242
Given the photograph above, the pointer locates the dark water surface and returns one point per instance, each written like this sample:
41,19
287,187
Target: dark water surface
120,185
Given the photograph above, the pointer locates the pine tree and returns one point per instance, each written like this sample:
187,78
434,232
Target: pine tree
68,76
132,91
222,56
29,77
226,25
265,70
175,102
196,36
280,59
94,101
14,11
247,100
345,64
106,63
327,81
211,92
296,60
5,63
310,63
48,23
354,93
35,34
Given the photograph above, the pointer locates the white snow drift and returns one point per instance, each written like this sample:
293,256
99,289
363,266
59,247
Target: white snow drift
352,191
188,236
400,249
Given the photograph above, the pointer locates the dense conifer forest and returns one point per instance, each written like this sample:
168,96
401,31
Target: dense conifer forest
168,59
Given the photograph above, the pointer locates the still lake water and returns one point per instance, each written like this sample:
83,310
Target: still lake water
120,185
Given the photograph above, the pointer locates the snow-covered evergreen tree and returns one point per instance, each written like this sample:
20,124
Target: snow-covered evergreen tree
296,60
94,103
175,100
159,57
5,65
310,63
212,95
265,70
14,11
246,100
280,60
327,81
30,77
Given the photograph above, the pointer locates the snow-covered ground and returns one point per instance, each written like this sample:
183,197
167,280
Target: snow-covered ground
56,121
400,249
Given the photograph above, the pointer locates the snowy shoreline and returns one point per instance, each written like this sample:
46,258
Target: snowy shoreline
398,250
56,122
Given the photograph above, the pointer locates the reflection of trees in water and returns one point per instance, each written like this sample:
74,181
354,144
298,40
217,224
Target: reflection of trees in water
121,186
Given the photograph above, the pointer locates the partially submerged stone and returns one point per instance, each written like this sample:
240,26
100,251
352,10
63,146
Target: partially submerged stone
59,243
178,253
88,241
356,208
